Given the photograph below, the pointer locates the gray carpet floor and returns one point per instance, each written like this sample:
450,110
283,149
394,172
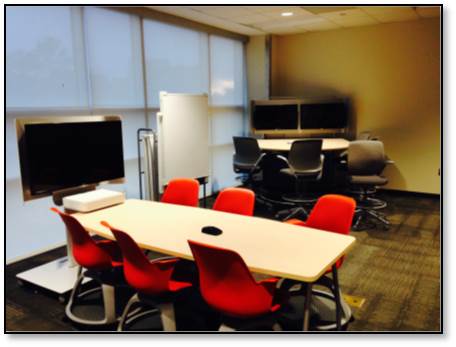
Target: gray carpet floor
396,273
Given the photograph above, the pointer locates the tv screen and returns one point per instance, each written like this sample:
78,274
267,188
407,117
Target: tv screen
328,115
275,117
64,155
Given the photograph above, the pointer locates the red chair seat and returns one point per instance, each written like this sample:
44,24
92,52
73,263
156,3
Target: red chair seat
333,213
90,253
227,285
151,277
296,221
246,304
175,286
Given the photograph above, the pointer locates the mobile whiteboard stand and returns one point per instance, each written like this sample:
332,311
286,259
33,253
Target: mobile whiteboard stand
183,138
149,145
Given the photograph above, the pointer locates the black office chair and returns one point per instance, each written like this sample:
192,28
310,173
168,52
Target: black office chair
365,162
305,164
273,183
246,158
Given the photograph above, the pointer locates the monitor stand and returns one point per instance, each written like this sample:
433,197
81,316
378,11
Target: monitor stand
58,276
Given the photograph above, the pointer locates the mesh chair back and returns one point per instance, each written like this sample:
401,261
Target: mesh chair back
366,158
305,155
246,150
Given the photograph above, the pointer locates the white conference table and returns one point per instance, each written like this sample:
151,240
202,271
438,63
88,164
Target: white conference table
268,247
284,145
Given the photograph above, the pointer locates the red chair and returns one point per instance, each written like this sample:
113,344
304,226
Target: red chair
227,285
102,259
181,191
151,279
333,213
235,200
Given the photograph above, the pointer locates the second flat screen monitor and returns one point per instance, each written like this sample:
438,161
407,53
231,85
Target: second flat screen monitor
275,117
325,115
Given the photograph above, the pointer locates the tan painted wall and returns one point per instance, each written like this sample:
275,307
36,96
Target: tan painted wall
392,74
257,68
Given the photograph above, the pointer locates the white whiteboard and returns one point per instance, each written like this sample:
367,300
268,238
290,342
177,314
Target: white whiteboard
183,136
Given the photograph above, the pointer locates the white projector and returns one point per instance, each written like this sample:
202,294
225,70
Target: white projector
93,200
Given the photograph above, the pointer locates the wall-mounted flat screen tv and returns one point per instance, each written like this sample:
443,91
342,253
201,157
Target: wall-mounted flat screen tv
324,115
61,154
275,117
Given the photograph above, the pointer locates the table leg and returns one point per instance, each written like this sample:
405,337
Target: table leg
337,296
307,306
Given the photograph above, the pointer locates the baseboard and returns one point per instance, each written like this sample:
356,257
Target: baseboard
409,193
40,251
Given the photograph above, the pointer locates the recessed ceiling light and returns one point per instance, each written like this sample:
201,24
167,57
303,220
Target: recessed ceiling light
287,14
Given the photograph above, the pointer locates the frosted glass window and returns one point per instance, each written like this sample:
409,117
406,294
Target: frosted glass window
176,60
225,124
131,122
227,71
11,151
222,167
44,57
114,55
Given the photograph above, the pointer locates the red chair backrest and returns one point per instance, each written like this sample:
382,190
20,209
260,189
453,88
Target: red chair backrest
332,213
182,191
236,200
139,272
85,250
227,284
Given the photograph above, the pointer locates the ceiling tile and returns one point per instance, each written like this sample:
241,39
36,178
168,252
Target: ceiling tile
251,19
387,14
383,9
204,18
223,11
428,11
287,31
296,10
320,24
325,9
289,22
258,20
265,9
350,18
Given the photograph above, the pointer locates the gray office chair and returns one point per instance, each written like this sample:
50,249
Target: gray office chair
365,162
364,135
305,164
246,158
